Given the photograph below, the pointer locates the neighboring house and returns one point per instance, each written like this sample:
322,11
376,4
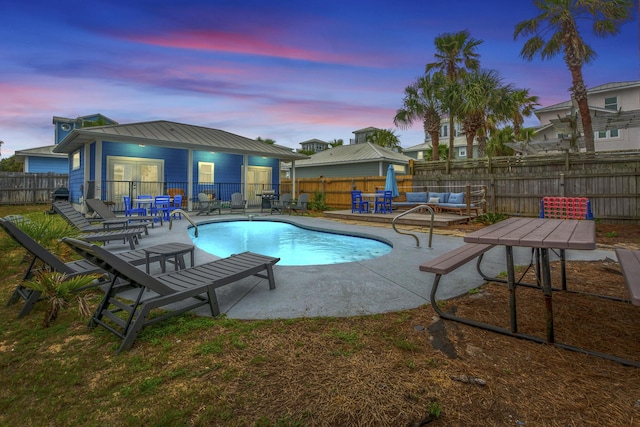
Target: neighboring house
113,161
365,159
614,108
360,136
44,159
314,145
459,143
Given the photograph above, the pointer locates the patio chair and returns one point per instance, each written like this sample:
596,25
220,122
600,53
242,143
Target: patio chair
129,210
176,205
238,203
161,207
207,205
41,258
281,204
92,233
301,205
357,204
190,288
383,202
99,207
173,192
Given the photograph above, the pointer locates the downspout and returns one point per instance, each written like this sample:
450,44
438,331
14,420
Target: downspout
293,178
245,173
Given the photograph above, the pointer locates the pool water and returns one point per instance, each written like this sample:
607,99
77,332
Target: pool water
294,245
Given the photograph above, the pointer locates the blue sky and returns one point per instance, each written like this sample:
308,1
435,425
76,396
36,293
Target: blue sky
286,70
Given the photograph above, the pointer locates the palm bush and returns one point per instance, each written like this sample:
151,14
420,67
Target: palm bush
59,291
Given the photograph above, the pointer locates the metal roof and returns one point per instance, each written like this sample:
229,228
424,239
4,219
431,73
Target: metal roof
46,151
354,153
175,135
597,89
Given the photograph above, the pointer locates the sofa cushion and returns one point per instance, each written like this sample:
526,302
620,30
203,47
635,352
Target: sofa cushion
420,197
456,198
444,197
434,200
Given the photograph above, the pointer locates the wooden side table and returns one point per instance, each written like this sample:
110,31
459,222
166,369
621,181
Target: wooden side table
167,250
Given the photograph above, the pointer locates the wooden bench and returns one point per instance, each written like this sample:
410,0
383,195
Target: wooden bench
630,265
448,262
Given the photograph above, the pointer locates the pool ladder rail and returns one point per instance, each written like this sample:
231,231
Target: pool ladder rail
180,211
415,208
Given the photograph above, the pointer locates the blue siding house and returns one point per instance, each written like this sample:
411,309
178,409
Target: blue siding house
161,157
44,159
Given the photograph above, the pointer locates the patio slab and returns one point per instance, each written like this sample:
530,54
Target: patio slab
391,282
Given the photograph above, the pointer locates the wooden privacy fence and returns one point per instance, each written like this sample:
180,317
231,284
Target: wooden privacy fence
17,188
337,191
514,185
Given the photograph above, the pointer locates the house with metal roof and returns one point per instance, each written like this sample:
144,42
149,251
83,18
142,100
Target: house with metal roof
615,119
44,159
110,162
363,159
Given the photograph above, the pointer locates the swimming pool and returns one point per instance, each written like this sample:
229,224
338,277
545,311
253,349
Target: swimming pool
293,244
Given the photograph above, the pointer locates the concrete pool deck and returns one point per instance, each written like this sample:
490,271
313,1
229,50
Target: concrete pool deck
388,283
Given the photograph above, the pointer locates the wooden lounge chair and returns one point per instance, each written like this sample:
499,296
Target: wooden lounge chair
192,288
41,258
107,215
92,233
281,204
207,205
301,205
238,203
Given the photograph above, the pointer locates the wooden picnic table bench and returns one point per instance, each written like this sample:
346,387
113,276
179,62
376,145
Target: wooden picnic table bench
630,265
445,264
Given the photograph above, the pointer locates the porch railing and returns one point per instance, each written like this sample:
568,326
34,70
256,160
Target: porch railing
113,191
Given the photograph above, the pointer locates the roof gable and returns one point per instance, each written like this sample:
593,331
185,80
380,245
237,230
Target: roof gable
354,153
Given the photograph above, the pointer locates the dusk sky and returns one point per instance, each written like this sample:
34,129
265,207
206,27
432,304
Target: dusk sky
286,70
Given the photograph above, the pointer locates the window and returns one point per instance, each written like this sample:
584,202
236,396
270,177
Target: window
205,172
75,160
611,103
606,134
462,152
444,131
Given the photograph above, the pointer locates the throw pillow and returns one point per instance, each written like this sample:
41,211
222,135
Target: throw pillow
434,200
456,198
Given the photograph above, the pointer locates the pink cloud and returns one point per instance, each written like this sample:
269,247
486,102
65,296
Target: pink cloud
248,44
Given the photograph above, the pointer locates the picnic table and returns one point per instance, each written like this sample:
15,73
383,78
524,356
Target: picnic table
541,234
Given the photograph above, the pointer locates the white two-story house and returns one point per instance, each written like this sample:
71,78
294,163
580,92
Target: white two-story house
611,107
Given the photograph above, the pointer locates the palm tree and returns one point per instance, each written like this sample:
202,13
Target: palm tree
558,20
496,145
481,93
336,142
523,105
384,138
455,55
423,101
443,151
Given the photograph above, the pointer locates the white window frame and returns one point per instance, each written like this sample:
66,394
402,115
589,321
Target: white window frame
607,134
462,152
75,160
610,106
201,180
